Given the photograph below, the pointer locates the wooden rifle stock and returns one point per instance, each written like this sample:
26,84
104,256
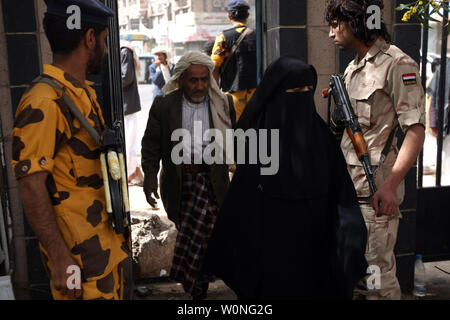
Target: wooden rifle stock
359,144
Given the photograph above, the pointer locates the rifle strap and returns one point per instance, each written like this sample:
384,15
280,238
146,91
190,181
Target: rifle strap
235,46
387,146
73,108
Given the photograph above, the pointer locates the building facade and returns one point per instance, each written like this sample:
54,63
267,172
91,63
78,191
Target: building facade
178,25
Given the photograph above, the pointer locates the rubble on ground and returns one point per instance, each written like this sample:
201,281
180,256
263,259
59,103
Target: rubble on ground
153,245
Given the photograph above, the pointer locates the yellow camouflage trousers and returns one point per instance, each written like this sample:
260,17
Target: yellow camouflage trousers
381,239
115,285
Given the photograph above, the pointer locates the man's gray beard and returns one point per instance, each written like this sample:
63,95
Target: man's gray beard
198,99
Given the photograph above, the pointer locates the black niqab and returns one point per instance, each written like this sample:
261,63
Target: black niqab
298,234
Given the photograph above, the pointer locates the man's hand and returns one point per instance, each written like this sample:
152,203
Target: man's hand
59,277
385,201
408,154
148,195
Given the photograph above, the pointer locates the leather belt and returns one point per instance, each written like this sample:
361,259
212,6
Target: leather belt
195,168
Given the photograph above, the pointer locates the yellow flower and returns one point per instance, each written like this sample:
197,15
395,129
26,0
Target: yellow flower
420,3
406,16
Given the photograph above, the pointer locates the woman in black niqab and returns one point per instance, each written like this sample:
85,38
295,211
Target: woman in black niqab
297,234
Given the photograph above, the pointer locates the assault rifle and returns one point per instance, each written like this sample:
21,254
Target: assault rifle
115,180
346,117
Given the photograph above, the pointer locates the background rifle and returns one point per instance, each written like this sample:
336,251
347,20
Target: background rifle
346,116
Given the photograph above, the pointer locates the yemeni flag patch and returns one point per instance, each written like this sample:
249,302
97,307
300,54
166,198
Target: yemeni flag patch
409,79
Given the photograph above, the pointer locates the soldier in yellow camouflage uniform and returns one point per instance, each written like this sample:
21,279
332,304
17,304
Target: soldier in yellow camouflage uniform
239,76
385,90
57,165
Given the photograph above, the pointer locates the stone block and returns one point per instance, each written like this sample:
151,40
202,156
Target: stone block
5,113
41,8
321,50
316,13
46,51
154,240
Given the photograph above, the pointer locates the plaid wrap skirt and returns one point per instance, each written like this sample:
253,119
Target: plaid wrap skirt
198,213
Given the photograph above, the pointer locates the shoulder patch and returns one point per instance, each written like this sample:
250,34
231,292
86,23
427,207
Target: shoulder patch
409,79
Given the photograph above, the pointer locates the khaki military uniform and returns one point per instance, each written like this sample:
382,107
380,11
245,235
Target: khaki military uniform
46,138
386,92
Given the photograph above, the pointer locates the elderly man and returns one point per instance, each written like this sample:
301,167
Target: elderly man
191,193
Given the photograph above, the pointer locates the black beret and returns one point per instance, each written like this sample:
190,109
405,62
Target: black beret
91,10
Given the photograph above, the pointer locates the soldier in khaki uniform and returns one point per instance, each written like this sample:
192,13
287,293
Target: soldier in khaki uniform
385,89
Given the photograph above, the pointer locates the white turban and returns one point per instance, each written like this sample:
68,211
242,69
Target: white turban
220,109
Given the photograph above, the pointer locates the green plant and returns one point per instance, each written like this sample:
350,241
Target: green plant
424,10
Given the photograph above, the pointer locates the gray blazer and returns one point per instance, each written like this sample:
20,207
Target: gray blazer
131,100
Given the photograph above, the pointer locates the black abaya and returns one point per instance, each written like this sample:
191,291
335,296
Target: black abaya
298,234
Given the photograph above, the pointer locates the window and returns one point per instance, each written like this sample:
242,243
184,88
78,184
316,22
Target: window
218,5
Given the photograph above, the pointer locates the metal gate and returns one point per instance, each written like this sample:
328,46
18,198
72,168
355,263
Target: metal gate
433,209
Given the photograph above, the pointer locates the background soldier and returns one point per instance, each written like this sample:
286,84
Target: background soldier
385,89
236,73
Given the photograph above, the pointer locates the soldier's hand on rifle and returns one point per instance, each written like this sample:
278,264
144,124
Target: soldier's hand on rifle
385,201
148,194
